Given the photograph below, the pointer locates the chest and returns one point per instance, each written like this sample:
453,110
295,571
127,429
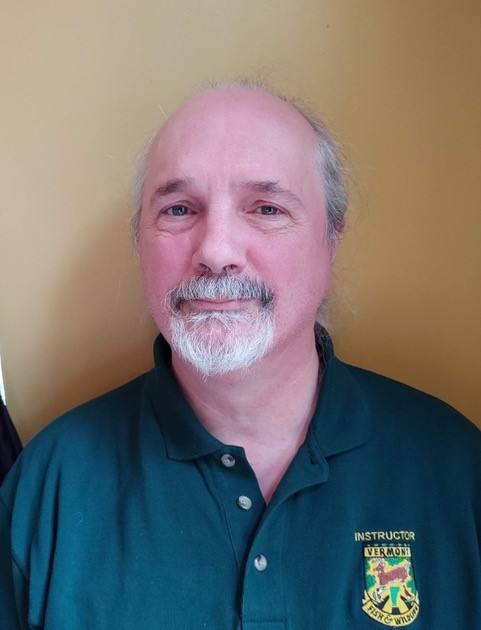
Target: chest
195,547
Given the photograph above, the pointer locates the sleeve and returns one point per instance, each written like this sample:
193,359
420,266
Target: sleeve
13,583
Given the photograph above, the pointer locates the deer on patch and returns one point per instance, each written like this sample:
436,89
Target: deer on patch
396,574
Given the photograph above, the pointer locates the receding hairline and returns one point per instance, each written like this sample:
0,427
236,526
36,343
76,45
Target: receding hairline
191,108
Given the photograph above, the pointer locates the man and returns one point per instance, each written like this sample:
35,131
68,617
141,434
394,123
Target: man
251,480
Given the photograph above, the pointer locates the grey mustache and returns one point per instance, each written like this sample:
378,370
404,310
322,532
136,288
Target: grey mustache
226,287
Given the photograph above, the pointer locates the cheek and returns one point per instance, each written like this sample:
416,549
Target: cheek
163,263
304,268
161,272
301,284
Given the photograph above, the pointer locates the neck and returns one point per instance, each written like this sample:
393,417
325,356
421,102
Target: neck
265,409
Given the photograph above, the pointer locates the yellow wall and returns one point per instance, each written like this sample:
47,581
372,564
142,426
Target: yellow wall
83,82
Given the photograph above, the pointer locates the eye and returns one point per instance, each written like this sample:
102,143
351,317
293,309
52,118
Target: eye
177,211
268,211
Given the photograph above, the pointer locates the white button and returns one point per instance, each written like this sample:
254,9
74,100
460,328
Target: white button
244,502
260,562
228,460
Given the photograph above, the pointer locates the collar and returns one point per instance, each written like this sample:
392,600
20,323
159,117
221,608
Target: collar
342,419
185,436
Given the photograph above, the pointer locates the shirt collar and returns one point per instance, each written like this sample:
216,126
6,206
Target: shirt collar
341,421
343,418
185,436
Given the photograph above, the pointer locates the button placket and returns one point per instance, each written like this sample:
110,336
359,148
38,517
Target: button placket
241,498
263,571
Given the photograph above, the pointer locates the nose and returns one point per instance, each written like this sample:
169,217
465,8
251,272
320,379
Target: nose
220,244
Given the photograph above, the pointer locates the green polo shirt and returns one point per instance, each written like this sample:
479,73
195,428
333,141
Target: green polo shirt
127,513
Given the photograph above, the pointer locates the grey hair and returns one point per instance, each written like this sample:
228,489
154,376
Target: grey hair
329,160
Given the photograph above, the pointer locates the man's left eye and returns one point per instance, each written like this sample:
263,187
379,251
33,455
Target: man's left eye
178,210
268,211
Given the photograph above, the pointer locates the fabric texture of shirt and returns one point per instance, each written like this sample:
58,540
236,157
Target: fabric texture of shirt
127,513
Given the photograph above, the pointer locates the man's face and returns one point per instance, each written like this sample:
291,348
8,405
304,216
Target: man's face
233,191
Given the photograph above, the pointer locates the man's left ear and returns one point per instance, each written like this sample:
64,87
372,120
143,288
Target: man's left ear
335,245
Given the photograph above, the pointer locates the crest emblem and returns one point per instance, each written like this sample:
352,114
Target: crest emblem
390,593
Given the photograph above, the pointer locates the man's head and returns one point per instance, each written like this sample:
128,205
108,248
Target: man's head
242,203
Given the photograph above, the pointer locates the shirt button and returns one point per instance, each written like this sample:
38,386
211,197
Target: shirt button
228,460
260,562
244,502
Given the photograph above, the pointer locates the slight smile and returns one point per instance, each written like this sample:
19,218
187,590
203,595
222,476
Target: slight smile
218,305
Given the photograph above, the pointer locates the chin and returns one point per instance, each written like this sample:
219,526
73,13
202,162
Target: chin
215,344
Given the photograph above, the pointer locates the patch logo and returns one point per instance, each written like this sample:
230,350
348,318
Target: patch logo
390,593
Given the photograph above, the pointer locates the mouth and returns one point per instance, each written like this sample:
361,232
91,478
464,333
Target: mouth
222,304
220,293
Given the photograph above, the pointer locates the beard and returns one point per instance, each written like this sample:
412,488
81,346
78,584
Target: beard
218,342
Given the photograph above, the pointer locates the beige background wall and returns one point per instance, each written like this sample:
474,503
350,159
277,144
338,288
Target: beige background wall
83,82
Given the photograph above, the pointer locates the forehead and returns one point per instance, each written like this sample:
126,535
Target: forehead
234,134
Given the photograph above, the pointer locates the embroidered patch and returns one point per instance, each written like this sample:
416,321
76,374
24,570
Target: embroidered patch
390,593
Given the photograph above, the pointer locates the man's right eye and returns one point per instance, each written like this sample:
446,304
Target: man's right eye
177,210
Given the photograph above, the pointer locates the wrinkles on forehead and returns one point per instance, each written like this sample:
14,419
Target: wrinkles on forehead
189,184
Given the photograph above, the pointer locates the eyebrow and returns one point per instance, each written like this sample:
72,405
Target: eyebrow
264,187
272,188
171,186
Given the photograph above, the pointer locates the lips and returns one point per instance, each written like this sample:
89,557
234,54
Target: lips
218,304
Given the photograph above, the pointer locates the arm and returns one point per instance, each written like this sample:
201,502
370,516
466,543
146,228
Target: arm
13,583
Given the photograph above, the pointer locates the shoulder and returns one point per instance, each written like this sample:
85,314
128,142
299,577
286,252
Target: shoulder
82,438
108,414
408,414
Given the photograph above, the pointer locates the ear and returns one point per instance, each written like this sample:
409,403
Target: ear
334,245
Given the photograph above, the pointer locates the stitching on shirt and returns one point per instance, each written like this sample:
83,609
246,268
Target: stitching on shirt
265,621
219,494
